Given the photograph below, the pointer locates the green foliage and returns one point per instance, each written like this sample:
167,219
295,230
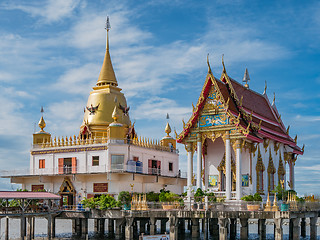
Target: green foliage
252,198
167,196
153,197
91,203
199,193
211,197
124,197
107,202
283,194
22,190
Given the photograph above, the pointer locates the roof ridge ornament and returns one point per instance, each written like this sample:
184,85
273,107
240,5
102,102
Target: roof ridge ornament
274,99
224,67
246,78
265,87
209,68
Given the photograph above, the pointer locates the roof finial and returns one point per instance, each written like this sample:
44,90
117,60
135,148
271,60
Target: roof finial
42,123
224,68
209,68
274,99
265,88
107,27
246,78
167,117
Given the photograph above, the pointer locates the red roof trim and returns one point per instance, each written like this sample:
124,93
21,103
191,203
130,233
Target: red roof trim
261,117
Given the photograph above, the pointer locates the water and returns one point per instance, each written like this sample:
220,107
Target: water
64,227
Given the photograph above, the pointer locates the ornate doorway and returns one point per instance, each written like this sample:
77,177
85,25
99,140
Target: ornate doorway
67,192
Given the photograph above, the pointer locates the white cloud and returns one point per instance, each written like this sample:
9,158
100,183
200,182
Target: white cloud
50,11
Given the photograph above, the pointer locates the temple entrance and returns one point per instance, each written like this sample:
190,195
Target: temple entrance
67,192
222,174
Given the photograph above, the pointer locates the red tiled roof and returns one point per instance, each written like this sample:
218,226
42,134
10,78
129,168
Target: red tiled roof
27,195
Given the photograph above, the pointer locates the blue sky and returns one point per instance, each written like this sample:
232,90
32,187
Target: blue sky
51,53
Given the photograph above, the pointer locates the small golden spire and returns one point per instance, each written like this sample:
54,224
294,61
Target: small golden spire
107,75
209,68
115,114
224,68
168,130
42,124
274,99
265,88
288,130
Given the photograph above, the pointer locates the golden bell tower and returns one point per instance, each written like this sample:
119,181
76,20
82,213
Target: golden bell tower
103,99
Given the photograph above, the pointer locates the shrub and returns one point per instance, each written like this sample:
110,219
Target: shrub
167,196
251,198
124,197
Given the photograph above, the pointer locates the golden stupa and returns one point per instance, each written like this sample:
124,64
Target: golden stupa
103,99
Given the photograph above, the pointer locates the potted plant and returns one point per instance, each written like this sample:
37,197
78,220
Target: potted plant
125,198
253,201
168,198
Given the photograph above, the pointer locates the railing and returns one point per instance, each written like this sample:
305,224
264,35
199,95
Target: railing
76,141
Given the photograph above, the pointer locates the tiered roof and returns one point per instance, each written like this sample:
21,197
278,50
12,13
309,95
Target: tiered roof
251,112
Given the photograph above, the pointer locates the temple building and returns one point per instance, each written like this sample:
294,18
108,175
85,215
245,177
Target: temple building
241,144
107,156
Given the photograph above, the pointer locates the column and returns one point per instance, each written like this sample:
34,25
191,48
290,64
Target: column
205,228
84,223
223,228
163,227
23,226
228,166
190,170
244,230
296,228
195,228
96,225
233,228
119,223
292,174
303,227
110,227
49,232
153,227
199,160
129,229
182,226
101,226
215,228
6,235
313,228
30,228
173,228
278,233
238,167
262,229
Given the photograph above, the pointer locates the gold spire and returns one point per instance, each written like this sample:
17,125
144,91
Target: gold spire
107,75
115,114
42,124
168,129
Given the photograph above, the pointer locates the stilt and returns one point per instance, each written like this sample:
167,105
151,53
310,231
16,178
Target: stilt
153,227
23,226
129,229
110,227
313,228
215,228
101,226
223,228
49,231
244,230
96,225
142,226
119,223
303,227
262,229
173,228
233,228
296,228
84,223
278,233
53,227
195,228
205,228
6,235
182,226
29,228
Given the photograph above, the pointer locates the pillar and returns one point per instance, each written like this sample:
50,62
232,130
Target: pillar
182,226
278,232
173,228
119,223
49,230
142,226
292,173
215,227
101,226
84,227
244,230
238,169
195,228
313,228
303,227
223,228
96,225
199,160
110,227
228,166
74,226
190,170
129,229
205,228
6,235
233,228
295,228
30,228
262,229
153,226
23,226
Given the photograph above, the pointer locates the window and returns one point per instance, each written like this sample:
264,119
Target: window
170,166
67,165
95,160
42,163
154,167
117,162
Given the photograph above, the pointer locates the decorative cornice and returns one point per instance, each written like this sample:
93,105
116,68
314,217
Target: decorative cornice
68,150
